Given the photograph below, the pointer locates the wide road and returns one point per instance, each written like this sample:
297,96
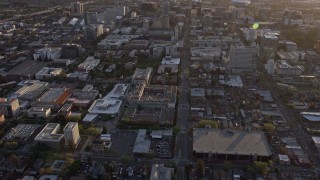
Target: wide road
183,140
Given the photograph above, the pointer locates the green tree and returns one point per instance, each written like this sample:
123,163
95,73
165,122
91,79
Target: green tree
204,123
269,127
74,167
261,167
126,160
200,166
227,165
176,130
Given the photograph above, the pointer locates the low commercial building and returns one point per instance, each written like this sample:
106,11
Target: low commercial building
39,112
284,159
118,92
168,68
142,75
49,135
139,44
231,145
153,96
83,97
21,133
78,76
30,90
55,97
316,142
47,73
142,144
106,107
25,70
206,54
285,69
170,60
89,64
159,172
47,54
87,93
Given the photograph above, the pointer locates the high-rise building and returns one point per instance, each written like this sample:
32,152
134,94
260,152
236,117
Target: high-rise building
71,50
77,8
9,107
243,58
268,47
270,67
90,18
145,24
91,32
71,134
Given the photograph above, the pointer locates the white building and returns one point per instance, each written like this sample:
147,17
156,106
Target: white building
48,72
251,35
71,133
89,64
105,106
170,60
283,68
49,135
270,67
47,53
159,172
118,92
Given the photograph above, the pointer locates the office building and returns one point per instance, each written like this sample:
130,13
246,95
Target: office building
71,134
90,18
243,58
92,32
77,8
270,66
9,107
47,73
71,50
268,47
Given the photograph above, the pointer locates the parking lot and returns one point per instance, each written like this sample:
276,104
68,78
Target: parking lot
162,148
123,142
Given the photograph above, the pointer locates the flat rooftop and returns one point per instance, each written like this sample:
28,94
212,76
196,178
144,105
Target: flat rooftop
49,133
141,145
54,94
70,126
27,68
230,142
118,91
101,106
21,131
31,91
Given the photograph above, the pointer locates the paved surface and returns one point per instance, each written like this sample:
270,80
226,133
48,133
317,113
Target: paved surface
183,141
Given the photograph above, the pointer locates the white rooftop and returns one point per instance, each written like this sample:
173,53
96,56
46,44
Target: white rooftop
105,106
